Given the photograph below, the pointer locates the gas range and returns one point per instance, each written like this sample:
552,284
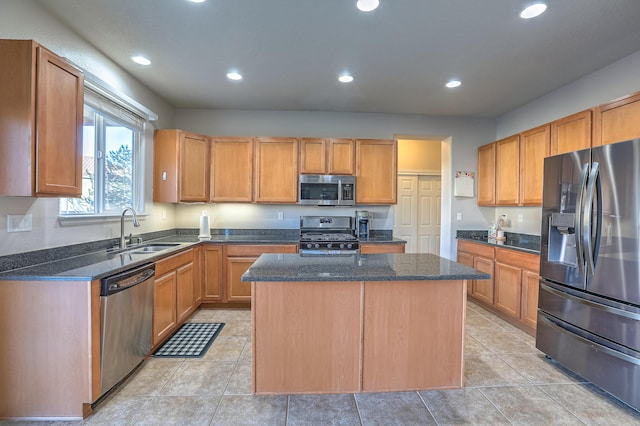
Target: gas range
327,235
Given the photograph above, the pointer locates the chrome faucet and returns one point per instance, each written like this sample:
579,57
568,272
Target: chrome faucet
123,241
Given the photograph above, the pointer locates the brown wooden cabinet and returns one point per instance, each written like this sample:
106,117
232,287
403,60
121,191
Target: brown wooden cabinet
41,115
327,156
373,248
376,171
173,297
487,175
508,171
237,259
513,291
212,277
618,120
276,170
480,257
571,133
180,167
232,169
534,147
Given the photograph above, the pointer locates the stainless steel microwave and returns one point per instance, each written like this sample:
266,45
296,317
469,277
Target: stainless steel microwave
327,190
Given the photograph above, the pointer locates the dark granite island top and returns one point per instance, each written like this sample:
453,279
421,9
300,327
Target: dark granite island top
363,267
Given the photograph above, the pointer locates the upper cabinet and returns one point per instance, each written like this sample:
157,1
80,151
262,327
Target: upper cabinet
376,171
618,121
327,156
508,171
232,170
181,167
41,113
487,175
534,147
276,170
571,133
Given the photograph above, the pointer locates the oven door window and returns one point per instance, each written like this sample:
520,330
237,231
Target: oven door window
319,191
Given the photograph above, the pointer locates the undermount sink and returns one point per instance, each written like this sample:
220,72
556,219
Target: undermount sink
152,248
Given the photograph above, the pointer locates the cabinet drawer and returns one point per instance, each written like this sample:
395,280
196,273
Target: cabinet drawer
519,259
173,262
257,250
476,248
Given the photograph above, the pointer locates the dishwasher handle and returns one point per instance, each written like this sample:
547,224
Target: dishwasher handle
125,280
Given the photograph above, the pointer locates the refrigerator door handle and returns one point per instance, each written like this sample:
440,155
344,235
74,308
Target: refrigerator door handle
594,184
579,222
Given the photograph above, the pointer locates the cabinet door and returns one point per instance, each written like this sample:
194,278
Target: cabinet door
467,259
483,289
236,290
381,248
508,290
487,175
618,121
571,133
341,157
198,274
184,291
232,170
164,306
212,285
530,284
276,166
376,171
313,155
60,111
508,171
194,168
534,147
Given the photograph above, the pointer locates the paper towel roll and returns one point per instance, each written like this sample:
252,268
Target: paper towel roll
205,232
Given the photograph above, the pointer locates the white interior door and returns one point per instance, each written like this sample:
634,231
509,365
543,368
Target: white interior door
429,207
417,215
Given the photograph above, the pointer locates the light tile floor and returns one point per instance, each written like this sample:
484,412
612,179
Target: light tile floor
507,382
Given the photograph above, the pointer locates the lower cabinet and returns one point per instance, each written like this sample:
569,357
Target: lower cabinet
212,273
174,298
513,290
372,248
237,259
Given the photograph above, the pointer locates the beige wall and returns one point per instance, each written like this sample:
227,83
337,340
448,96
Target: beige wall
419,156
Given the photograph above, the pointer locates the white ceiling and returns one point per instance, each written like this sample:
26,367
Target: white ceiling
292,51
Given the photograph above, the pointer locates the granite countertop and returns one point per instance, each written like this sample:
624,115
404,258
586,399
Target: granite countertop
521,242
363,267
92,261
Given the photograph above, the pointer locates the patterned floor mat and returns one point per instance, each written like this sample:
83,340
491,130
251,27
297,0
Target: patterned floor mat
190,341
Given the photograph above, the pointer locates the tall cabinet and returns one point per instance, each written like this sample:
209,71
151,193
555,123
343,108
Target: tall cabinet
41,113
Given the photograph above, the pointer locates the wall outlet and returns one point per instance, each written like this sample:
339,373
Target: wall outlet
520,218
164,214
280,215
19,222
459,216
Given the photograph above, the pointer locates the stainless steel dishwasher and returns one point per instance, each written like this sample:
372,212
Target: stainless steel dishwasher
126,314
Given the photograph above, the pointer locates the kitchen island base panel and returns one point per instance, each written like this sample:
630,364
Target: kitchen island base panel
413,335
306,337
357,336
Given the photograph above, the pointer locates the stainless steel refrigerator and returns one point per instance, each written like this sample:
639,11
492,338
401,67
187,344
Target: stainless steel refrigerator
589,300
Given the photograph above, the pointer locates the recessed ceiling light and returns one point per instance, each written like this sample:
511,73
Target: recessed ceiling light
234,76
141,60
533,9
345,78
197,1
367,5
453,83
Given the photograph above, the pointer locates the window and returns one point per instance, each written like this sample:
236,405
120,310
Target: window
112,163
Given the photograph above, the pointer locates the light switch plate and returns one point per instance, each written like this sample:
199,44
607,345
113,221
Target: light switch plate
459,216
19,222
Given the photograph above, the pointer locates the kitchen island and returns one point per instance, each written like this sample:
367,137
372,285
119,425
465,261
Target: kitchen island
360,323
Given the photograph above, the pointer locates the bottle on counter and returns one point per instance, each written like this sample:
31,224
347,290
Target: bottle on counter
493,233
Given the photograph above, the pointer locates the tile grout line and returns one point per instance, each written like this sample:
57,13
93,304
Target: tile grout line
427,406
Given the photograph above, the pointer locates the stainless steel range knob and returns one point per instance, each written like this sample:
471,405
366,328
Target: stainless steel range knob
349,245
342,245
329,245
316,246
309,245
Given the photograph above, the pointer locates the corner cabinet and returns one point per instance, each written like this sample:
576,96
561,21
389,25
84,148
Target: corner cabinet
180,167
487,175
41,114
231,169
376,171
276,170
